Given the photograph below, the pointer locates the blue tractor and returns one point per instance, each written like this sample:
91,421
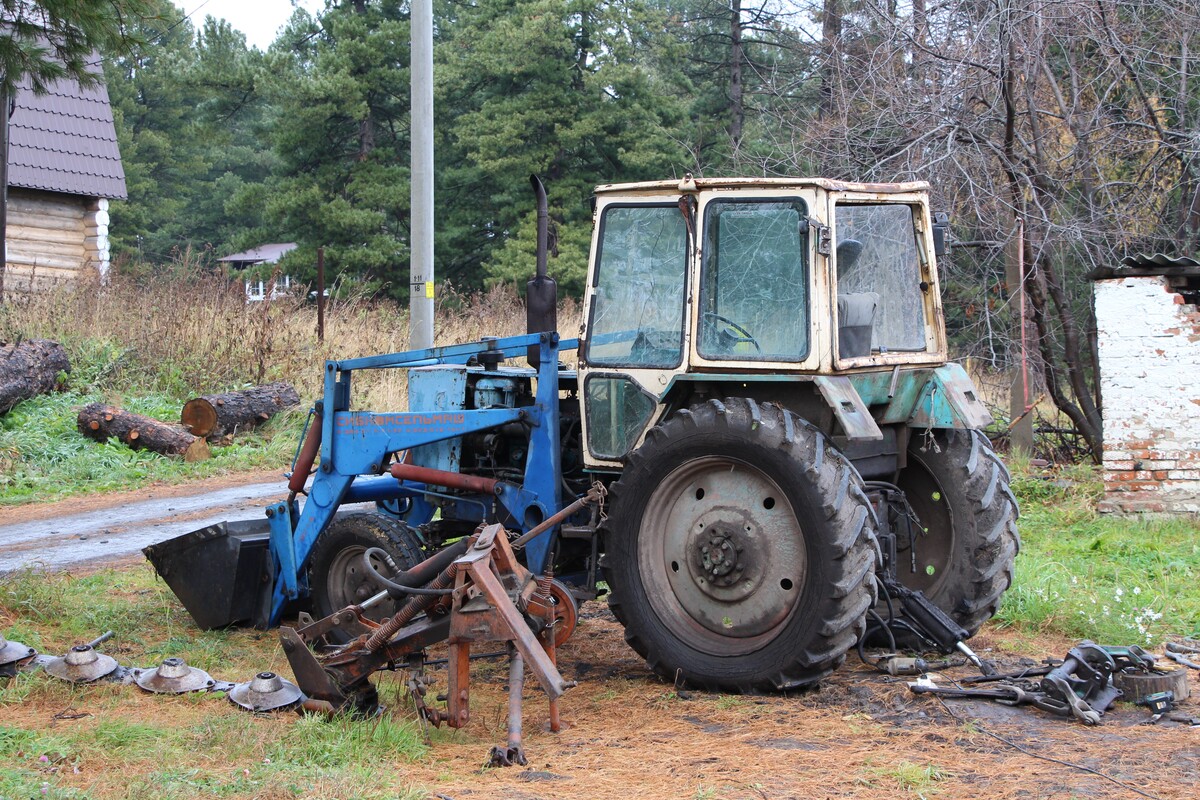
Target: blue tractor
761,452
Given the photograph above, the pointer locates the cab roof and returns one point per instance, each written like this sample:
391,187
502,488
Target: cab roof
691,185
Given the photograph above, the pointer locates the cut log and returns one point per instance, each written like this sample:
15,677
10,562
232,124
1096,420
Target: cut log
28,369
1170,678
215,415
100,422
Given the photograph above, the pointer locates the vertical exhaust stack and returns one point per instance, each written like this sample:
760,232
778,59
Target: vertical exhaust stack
541,293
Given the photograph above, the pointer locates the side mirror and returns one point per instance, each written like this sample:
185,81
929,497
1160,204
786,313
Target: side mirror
941,234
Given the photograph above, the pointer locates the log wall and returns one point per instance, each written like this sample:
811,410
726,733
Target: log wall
54,239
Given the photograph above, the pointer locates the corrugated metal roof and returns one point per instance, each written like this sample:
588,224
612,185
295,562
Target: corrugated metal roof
64,141
1150,261
1146,264
263,254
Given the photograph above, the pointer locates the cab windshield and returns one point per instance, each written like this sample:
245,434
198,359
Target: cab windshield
754,281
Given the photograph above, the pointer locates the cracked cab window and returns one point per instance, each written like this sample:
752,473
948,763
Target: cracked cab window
881,306
637,306
754,281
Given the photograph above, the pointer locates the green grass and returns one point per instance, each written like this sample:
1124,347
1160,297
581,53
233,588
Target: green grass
140,746
1089,576
44,457
914,780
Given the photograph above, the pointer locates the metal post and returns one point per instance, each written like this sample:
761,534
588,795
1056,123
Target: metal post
320,294
1020,413
420,330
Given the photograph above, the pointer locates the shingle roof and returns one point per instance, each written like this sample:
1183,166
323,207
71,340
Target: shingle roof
64,141
263,254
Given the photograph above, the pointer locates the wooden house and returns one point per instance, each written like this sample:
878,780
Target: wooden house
63,169
251,265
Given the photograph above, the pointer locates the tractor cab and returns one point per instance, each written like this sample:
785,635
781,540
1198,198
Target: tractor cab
702,282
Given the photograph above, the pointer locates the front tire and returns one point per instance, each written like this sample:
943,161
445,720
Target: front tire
336,577
740,549
958,488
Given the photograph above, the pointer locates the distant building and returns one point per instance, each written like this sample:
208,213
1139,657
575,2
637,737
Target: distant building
1148,335
63,168
256,286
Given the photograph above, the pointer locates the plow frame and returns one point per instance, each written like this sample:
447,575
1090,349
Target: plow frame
494,599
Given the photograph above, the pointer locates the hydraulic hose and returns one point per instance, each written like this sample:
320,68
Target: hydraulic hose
409,611
393,587
413,581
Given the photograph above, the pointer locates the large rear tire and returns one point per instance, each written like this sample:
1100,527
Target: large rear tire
740,549
336,577
958,488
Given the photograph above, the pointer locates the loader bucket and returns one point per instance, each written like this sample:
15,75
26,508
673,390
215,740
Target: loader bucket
221,573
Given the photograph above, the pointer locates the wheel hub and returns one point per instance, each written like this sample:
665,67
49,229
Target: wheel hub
719,559
726,558
727,547
349,583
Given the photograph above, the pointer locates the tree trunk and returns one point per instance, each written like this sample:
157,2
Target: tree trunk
101,422
215,415
737,111
831,33
29,368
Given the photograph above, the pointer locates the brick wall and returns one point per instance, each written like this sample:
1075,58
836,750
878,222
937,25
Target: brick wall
1149,341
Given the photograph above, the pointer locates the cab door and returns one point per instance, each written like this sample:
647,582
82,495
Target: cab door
635,331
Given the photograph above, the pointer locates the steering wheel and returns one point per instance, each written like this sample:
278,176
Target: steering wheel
746,336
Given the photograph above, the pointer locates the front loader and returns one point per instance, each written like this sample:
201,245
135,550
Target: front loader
762,456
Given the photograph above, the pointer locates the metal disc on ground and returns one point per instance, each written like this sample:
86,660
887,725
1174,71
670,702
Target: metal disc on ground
82,664
14,651
173,676
266,692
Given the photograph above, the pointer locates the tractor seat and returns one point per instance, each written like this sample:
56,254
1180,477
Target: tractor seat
856,319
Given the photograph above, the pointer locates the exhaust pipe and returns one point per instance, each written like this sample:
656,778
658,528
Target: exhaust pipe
541,293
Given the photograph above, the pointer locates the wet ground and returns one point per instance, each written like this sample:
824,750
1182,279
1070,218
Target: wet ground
112,527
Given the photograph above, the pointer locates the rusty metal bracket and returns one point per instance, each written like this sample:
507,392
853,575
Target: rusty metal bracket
493,599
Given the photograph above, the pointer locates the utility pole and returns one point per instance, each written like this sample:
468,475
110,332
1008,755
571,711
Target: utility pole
420,302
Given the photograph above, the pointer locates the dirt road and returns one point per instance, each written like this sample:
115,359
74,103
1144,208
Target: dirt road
104,528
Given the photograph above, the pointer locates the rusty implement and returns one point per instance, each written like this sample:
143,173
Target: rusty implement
484,595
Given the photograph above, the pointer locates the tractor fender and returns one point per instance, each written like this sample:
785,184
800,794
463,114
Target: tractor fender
949,400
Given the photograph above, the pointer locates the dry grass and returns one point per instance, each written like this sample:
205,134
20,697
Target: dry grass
187,329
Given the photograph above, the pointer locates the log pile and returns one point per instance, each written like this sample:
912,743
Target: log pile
30,368
216,415
100,422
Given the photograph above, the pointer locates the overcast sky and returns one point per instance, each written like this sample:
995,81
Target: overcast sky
260,20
